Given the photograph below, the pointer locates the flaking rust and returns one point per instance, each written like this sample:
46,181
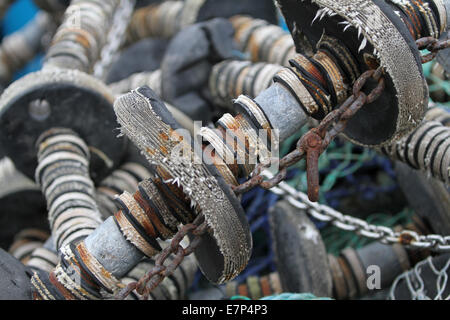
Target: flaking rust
348,67
142,117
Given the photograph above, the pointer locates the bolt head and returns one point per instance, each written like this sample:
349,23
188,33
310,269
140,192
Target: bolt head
39,110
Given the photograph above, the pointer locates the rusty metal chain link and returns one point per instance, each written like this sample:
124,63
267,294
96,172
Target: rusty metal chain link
310,146
314,142
155,276
433,45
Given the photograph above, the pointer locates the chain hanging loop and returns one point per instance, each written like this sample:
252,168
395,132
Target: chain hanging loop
433,45
159,272
315,142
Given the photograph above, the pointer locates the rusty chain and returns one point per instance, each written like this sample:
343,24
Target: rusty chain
324,213
310,146
316,140
433,45
159,272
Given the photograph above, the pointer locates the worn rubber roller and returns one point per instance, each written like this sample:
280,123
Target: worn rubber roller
21,202
303,264
14,278
18,48
232,78
225,251
301,257
265,42
179,193
187,65
42,257
426,149
63,94
143,56
376,33
25,242
164,20
429,197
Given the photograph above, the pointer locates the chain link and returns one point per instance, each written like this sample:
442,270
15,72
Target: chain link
328,129
116,38
332,125
433,45
159,272
383,234
316,140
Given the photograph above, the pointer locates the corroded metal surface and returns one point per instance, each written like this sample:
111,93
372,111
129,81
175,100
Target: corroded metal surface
146,122
382,34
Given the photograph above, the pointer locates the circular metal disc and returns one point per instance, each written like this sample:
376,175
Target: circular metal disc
70,99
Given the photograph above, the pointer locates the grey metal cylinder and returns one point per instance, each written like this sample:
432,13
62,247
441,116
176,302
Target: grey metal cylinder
112,250
282,110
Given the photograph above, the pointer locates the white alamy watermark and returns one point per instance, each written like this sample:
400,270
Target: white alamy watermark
73,17
374,277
